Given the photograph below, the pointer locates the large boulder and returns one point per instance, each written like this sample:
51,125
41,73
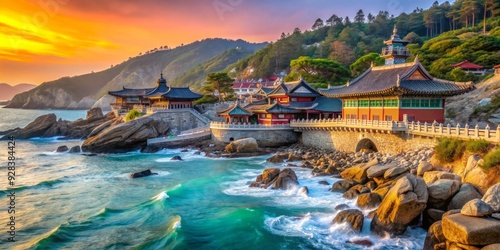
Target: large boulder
476,208
377,170
358,172
434,236
466,193
368,200
441,191
286,179
140,174
470,230
246,145
423,167
36,128
492,197
125,136
273,177
432,176
62,148
478,178
353,217
75,149
394,172
403,203
342,186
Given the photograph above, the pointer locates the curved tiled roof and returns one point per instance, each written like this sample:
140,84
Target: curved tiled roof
397,80
126,92
181,93
236,109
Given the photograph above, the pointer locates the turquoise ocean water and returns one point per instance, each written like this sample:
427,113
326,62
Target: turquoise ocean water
72,201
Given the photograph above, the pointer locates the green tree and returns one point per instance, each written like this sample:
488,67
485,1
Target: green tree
364,62
318,24
220,84
360,17
318,70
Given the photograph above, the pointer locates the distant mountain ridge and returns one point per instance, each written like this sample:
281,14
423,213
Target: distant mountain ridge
83,91
8,91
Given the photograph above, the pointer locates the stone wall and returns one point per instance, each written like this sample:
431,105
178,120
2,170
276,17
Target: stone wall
264,137
350,141
179,120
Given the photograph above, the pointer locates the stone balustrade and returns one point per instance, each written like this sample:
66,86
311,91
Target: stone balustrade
247,126
413,128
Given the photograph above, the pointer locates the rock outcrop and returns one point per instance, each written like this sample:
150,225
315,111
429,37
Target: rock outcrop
142,174
492,197
125,136
49,126
273,177
404,202
468,230
246,145
353,217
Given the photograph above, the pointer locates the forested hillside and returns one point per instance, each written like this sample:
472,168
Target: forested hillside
454,32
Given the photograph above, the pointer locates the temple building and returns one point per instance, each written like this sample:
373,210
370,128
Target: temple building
470,67
284,102
157,98
397,91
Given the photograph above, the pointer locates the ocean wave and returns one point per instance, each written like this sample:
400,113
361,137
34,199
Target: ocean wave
43,184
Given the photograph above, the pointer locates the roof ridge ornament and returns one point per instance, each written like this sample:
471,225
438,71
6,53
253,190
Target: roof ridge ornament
398,81
395,30
348,82
416,59
371,64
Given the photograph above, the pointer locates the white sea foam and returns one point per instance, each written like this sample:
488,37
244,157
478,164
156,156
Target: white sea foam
161,196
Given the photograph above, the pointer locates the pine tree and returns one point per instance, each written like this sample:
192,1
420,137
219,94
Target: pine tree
360,17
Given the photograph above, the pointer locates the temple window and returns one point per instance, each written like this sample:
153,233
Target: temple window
363,103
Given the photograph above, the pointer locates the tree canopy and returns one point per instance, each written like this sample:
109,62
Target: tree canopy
318,70
219,84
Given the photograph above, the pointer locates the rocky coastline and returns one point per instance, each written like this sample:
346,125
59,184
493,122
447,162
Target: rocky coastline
404,190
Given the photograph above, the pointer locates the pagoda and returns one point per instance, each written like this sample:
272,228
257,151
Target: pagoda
160,97
397,91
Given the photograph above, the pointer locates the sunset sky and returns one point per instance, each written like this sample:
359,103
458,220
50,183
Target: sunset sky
42,40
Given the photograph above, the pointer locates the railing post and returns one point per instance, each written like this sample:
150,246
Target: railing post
440,128
476,131
425,127
487,131
449,128
458,129
466,129
498,133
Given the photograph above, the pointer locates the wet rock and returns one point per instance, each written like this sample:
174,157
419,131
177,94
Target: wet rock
353,217
371,185
492,197
142,174
341,207
358,172
361,242
246,145
184,150
368,200
126,136
350,194
470,230
476,208
403,203
278,158
75,149
324,183
176,158
434,236
286,179
466,193
61,149
342,185
303,191
34,129
294,157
